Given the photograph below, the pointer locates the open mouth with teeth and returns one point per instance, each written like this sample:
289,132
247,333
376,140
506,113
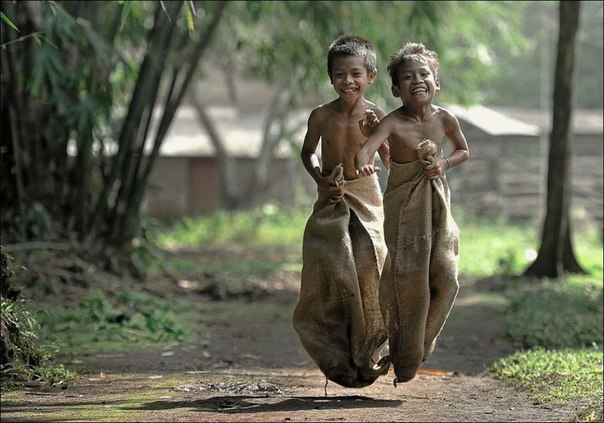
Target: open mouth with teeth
419,91
349,90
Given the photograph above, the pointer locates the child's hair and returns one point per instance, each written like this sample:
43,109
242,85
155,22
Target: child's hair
352,45
411,52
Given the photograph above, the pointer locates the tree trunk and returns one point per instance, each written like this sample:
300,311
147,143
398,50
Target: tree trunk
282,104
142,102
14,123
134,134
229,192
569,260
182,77
556,254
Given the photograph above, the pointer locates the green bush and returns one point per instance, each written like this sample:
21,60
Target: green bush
22,357
556,315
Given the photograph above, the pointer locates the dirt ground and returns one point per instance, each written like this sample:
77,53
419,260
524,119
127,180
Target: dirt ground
248,366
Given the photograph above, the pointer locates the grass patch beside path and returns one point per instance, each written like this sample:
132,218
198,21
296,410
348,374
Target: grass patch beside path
555,376
558,324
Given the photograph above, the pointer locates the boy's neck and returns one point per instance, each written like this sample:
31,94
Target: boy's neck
350,106
417,111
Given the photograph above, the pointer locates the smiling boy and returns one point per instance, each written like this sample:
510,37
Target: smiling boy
419,282
338,318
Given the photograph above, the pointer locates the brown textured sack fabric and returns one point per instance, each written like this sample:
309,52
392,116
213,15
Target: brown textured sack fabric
338,317
419,284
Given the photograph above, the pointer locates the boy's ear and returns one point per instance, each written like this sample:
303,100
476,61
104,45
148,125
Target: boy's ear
437,81
372,76
395,91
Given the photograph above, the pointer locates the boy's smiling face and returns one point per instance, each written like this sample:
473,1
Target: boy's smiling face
416,82
349,76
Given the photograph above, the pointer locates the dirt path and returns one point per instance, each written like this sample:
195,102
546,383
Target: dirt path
248,365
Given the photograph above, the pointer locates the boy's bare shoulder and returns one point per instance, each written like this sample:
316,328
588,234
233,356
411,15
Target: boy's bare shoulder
322,111
368,104
380,113
395,115
445,113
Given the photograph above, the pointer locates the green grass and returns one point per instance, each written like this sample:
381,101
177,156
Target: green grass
487,249
239,267
555,376
555,315
103,320
268,225
490,248
558,327
26,360
557,324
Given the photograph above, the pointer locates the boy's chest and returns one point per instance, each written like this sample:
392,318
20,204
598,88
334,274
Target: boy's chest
412,133
342,131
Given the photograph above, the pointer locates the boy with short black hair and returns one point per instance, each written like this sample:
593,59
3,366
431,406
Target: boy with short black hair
337,318
419,283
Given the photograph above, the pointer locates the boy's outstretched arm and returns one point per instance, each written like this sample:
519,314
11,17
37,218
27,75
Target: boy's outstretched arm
384,152
363,160
368,125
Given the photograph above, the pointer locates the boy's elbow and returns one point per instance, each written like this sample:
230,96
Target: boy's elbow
462,154
304,155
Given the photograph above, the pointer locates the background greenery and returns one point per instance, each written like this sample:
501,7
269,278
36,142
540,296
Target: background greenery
86,77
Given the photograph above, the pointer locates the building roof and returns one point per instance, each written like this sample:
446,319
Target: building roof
493,122
585,121
241,132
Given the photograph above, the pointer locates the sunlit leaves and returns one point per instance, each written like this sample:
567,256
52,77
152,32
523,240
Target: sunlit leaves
7,21
189,12
289,40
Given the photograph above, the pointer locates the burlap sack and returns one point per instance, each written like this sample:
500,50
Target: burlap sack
338,318
419,284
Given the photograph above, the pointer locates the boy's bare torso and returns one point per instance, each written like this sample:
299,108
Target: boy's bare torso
341,137
407,131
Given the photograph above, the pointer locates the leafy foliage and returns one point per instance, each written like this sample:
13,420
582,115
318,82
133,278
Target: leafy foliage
290,40
85,82
85,93
511,85
115,314
19,339
23,358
